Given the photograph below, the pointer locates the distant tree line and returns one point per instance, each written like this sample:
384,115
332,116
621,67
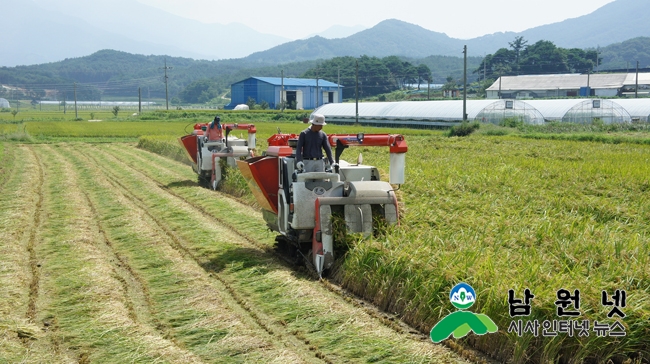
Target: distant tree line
375,75
542,57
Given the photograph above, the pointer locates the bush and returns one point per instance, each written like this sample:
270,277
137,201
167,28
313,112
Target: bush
497,132
463,129
512,123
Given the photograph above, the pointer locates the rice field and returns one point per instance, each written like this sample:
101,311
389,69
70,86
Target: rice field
499,212
504,212
113,254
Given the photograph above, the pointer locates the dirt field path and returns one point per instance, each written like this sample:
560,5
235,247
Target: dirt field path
114,254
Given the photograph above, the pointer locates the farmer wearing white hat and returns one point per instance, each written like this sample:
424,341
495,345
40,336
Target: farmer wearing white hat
311,142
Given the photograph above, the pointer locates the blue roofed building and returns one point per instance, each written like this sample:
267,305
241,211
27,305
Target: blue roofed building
298,93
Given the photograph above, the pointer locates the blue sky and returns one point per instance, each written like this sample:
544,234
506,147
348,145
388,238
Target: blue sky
462,19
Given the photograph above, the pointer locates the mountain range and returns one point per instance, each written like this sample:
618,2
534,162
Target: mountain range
615,22
42,31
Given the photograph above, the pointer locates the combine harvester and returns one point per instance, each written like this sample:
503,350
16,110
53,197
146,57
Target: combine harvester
300,206
207,147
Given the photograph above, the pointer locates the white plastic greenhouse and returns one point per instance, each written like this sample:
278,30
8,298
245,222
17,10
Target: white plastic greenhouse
440,113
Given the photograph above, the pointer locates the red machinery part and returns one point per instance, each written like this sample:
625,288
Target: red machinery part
280,140
190,144
396,142
261,174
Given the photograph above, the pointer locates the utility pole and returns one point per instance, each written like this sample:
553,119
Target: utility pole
76,116
597,55
500,76
428,87
282,90
636,88
338,85
317,93
465,84
166,89
139,100
356,92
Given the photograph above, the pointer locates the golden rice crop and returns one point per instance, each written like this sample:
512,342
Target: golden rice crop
506,213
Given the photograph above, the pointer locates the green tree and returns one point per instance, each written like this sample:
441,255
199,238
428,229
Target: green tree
14,112
579,60
251,103
116,110
376,76
411,75
424,74
495,64
396,67
450,84
544,57
518,45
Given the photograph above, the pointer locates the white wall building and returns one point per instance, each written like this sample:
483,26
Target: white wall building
569,85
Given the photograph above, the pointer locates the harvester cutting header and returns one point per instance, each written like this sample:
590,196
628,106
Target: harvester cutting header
300,205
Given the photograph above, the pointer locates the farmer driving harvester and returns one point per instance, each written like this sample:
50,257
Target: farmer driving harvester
214,131
311,142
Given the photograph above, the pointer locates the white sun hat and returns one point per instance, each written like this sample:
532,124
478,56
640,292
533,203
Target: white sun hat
317,119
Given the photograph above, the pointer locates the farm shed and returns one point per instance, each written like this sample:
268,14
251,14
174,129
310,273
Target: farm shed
568,85
299,93
4,103
439,113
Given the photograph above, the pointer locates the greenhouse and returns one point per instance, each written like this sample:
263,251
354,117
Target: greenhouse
412,113
444,113
639,109
4,103
606,110
501,110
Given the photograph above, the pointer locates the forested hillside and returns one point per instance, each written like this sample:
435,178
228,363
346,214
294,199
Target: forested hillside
112,74
624,55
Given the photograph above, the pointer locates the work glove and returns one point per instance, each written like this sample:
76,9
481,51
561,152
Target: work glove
334,165
300,165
